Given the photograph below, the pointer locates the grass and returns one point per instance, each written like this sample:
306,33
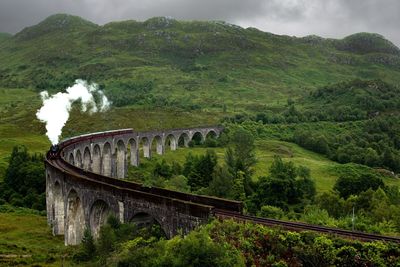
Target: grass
319,165
18,125
25,239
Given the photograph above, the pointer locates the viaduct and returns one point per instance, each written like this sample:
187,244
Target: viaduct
85,185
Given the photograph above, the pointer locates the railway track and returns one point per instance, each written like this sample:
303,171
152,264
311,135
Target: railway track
298,226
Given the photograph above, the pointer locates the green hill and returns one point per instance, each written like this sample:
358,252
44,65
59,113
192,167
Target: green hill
190,63
209,70
168,73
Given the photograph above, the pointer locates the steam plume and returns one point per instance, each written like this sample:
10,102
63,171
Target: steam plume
56,108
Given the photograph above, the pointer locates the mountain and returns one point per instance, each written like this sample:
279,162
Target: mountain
210,64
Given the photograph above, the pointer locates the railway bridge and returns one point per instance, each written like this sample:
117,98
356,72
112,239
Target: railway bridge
85,185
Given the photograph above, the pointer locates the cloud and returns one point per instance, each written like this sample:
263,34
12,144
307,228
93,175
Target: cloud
330,18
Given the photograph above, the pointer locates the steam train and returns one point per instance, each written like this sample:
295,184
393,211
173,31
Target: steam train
53,151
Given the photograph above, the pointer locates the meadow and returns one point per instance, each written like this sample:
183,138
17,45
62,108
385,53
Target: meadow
26,239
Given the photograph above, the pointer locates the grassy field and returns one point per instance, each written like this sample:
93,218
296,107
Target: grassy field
25,239
18,125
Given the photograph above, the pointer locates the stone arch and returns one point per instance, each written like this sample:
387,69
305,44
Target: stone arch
133,152
106,163
197,138
96,159
211,134
159,146
75,219
71,159
121,159
78,159
87,159
99,213
58,212
145,142
183,140
171,142
144,220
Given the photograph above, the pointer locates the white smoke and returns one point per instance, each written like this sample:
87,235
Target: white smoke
56,108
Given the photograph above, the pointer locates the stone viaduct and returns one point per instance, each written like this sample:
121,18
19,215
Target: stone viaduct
85,184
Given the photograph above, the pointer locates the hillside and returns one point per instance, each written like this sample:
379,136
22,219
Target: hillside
167,73
4,36
213,65
318,110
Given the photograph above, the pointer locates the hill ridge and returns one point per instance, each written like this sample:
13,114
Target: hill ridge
165,22
189,57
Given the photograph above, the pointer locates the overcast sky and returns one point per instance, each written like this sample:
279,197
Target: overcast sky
327,18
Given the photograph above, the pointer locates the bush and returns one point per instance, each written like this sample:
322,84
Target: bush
210,142
196,249
87,249
271,212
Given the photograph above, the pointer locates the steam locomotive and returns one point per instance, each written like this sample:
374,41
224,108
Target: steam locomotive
53,151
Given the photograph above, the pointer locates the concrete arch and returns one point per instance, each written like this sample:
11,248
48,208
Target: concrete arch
134,152
78,159
58,212
171,142
96,159
99,213
71,159
159,144
183,140
75,222
107,157
87,159
121,159
146,147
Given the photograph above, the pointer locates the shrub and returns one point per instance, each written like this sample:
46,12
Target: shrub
271,212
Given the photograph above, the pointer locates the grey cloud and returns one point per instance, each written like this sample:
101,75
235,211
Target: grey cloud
336,18
330,18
